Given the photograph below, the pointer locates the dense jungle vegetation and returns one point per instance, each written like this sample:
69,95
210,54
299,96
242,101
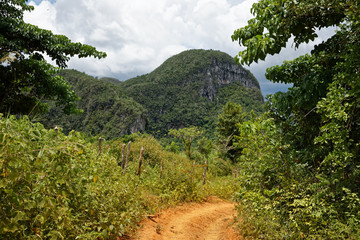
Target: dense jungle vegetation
301,160
297,166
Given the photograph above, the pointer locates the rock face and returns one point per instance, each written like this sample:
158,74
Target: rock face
219,74
138,125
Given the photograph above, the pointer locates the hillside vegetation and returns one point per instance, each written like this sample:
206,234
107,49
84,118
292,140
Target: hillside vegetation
189,89
106,110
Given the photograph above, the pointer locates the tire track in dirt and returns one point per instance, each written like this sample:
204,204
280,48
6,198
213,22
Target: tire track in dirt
210,220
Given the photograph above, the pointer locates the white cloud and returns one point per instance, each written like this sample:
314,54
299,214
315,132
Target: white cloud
43,16
139,35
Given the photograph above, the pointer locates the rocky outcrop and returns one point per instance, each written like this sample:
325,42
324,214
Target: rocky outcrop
138,125
219,74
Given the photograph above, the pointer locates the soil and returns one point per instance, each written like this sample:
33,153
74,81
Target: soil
211,220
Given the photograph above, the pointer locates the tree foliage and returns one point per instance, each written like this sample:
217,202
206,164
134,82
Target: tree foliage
27,80
325,92
276,22
227,128
318,118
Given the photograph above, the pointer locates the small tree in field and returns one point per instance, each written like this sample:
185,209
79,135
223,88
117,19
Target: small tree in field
187,136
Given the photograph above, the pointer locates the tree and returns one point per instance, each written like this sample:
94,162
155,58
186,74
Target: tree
319,116
27,80
227,128
276,22
187,135
332,69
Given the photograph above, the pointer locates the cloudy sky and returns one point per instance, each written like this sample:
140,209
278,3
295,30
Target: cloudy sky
139,35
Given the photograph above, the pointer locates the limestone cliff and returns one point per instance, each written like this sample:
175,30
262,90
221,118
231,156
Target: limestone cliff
220,73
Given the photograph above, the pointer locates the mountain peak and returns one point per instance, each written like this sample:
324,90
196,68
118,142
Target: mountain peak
217,64
191,87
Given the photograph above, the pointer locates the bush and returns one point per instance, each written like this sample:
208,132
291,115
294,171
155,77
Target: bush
282,198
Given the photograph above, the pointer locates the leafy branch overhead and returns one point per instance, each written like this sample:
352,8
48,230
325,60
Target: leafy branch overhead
27,79
275,22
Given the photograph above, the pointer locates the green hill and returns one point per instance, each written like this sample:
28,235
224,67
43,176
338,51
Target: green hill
188,89
191,88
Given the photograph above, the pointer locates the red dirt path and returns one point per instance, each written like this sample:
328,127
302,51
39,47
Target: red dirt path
210,220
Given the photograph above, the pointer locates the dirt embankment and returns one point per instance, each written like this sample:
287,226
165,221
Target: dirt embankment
210,220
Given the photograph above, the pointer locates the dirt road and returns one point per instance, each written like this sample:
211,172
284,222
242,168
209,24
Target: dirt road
210,220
